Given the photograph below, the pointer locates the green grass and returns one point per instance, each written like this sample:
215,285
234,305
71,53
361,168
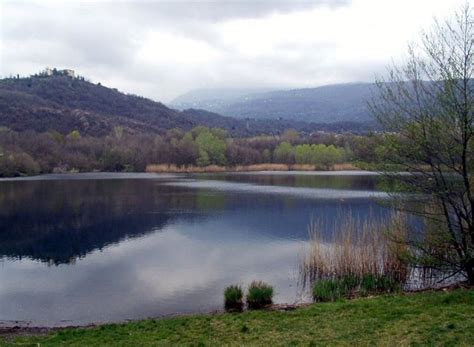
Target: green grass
333,289
434,318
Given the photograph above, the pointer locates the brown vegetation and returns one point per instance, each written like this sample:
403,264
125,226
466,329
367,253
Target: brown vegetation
357,249
172,168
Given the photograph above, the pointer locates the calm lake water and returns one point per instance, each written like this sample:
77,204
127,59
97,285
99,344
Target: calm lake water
84,248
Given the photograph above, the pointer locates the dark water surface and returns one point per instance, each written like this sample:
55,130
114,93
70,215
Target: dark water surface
83,248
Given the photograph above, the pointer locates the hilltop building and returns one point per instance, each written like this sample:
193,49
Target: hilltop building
55,72
69,73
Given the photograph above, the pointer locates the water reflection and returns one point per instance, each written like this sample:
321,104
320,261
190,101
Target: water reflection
56,221
355,180
130,248
315,193
172,271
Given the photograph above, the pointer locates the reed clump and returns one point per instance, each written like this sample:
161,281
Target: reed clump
259,295
344,167
302,167
172,168
233,296
260,167
360,258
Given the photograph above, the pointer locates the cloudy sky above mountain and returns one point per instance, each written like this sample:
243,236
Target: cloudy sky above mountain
161,49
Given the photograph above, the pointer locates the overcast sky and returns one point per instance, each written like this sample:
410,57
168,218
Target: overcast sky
161,49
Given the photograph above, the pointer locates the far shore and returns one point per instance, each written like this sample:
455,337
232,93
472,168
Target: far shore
343,169
172,168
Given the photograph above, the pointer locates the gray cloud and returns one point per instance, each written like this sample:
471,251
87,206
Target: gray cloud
218,10
161,49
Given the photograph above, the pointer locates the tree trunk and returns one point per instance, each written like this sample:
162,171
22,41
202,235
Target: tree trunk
470,272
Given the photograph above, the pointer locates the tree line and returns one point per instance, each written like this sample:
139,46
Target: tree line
31,153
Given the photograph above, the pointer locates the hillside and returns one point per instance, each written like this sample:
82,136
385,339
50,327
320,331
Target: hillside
64,104
327,104
251,126
213,99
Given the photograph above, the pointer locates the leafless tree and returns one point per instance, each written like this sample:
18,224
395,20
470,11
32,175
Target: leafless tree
426,107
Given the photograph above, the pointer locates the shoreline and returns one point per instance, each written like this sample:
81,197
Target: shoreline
184,171
18,329
440,317
23,326
434,318
172,168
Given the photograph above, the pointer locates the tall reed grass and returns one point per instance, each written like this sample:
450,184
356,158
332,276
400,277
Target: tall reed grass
359,257
172,168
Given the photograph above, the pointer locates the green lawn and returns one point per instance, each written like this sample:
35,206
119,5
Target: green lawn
434,318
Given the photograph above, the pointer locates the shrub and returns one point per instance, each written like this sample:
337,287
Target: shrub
259,295
233,298
17,164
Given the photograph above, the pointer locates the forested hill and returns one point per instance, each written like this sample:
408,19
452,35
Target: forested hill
63,103
326,104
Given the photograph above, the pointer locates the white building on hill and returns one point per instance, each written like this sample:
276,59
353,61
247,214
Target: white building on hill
69,73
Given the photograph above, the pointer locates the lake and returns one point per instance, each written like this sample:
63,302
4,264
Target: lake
90,248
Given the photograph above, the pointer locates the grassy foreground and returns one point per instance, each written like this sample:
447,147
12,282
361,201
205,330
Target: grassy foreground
433,318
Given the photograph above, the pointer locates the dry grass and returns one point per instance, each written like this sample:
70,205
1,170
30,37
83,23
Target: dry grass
172,168
344,167
261,167
303,167
356,249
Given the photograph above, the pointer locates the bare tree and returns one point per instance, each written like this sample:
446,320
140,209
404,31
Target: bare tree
426,108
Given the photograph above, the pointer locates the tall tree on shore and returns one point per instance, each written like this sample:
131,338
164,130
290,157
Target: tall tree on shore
427,107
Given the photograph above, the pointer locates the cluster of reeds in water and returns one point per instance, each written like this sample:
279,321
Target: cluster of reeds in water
259,295
359,258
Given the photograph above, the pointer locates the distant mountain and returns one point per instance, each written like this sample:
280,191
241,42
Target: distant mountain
248,127
65,103
327,104
213,99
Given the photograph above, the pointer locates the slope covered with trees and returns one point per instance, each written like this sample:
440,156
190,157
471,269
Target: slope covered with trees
58,123
62,103
41,102
326,104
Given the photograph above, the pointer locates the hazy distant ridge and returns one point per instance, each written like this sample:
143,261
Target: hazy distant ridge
327,104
